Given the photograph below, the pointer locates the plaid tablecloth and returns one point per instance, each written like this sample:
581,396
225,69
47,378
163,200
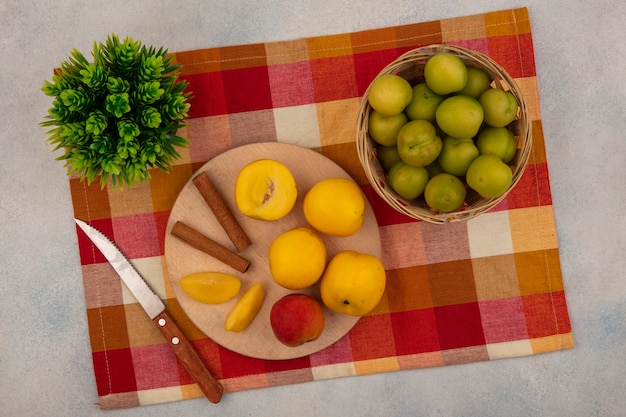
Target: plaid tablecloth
483,290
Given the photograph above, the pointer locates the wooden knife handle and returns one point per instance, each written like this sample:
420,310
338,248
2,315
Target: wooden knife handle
210,386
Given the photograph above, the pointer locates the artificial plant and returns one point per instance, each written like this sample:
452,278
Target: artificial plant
117,117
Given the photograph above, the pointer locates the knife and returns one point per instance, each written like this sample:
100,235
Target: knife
155,309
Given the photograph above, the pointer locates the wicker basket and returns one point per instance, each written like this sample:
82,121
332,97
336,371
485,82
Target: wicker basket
410,66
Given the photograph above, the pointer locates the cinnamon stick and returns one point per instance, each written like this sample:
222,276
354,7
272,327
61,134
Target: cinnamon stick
222,213
199,241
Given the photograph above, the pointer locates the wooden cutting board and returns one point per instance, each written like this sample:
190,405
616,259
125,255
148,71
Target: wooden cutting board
258,340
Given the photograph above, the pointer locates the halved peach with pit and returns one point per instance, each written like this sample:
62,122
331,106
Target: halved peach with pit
265,189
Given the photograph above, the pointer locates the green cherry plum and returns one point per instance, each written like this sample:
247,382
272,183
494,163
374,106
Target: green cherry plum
500,107
489,176
384,129
457,155
498,141
445,192
408,181
477,82
389,94
424,103
418,143
387,156
460,116
445,73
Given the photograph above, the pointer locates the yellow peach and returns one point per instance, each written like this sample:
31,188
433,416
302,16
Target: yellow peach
297,258
335,206
353,283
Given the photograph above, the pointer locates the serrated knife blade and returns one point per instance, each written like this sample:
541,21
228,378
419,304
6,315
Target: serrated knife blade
127,272
155,308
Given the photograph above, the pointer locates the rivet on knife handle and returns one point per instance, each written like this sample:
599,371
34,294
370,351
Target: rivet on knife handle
209,386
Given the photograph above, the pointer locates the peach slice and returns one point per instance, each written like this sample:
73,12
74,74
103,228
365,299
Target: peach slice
246,309
265,189
211,287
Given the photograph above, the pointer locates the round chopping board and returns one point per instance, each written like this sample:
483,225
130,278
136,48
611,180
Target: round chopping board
258,341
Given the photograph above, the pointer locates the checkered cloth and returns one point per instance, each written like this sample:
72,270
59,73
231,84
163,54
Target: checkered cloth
487,289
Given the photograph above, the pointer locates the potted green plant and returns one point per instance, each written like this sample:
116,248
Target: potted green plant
117,117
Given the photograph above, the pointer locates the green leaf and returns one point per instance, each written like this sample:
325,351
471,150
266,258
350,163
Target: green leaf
149,92
127,129
176,140
97,122
51,89
102,144
151,68
117,85
123,56
94,76
150,117
78,60
176,108
75,100
112,164
60,113
127,150
74,133
117,104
